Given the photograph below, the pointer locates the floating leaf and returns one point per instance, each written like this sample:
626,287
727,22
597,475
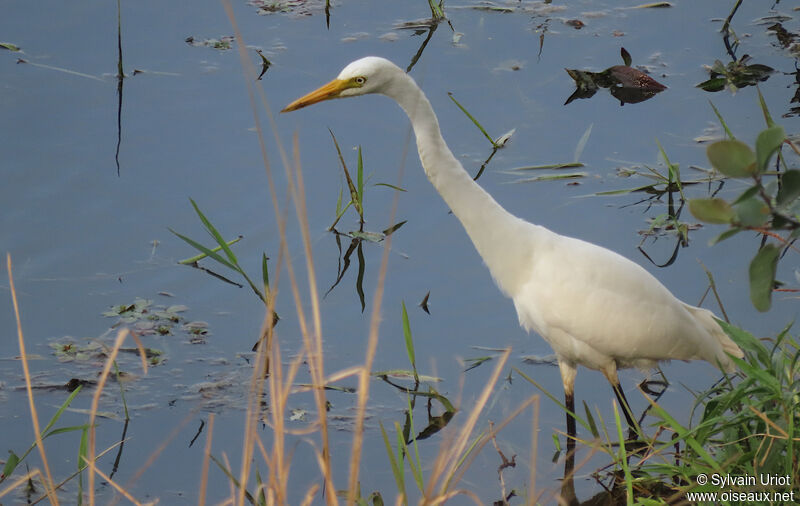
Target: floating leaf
553,177
790,187
570,165
9,46
768,141
711,210
762,276
713,85
732,158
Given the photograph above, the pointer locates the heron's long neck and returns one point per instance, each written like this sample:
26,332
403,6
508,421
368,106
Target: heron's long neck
491,228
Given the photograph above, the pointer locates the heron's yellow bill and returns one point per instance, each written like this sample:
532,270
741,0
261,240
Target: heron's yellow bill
328,91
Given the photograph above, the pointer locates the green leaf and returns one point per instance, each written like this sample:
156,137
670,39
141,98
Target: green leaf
767,142
207,252
713,210
750,192
732,158
790,187
762,276
11,464
9,46
752,212
397,470
477,124
393,187
722,122
264,272
214,233
725,235
713,84
412,358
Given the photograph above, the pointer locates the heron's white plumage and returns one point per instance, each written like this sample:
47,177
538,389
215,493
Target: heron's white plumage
595,307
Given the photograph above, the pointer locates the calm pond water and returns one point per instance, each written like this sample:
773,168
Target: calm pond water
85,235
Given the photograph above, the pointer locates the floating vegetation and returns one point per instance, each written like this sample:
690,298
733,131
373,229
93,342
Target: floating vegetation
70,349
653,5
145,318
735,75
552,177
9,46
295,7
221,44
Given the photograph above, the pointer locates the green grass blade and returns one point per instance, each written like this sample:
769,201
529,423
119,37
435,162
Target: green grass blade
551,166
480,127
264,272
215,233
197,258
60,411
339,215
121,390
207,252
722,122
353,191
414,463
590,419
674,170
232,478
409,342
764,109
552,398
393,187
623,458
396,471
64,430
82,452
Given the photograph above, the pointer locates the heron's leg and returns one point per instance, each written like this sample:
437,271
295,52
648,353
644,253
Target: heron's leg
568,372
611,374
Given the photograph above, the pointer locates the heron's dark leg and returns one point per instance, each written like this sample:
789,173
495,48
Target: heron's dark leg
611,375
568,484
568,372
623,404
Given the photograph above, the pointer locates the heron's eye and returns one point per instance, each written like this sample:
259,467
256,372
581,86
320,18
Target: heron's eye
360,80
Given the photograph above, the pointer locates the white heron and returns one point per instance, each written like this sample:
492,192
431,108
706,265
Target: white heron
593,306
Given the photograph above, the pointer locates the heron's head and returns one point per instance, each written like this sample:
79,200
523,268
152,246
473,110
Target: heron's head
367,75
